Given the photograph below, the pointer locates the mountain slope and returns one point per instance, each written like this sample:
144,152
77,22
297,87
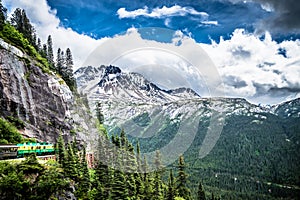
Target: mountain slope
238,149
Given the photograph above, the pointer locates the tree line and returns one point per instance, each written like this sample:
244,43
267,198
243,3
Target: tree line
20,32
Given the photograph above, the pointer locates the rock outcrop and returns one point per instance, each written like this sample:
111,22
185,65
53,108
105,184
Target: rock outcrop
40,99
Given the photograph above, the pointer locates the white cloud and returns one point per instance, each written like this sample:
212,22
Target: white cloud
183,57
266,75
46,23
250,67
210,22
160,12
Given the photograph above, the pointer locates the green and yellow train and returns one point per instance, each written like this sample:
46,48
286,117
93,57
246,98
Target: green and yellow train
10,151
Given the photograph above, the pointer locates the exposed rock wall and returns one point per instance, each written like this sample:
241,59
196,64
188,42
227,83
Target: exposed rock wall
41,100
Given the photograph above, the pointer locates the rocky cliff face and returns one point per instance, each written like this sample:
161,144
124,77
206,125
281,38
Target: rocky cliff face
40,99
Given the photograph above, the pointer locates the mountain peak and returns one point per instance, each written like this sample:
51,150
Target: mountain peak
109,82
112,70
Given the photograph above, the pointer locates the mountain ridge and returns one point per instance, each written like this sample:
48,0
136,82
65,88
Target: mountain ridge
256,146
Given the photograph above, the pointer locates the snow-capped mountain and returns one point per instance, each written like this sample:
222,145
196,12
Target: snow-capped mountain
126,97
218,136
110,82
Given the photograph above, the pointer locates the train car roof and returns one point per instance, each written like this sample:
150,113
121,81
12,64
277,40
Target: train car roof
8,146
34,144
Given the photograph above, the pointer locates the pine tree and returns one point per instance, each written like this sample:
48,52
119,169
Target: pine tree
158,185
50,55
21,22
67,70
182,188
2,15
61,150
59,61
44,51
103,172
171,193
130,168
84,183
71,166
119,189
99,113
201,193
138,175
148,181
39,45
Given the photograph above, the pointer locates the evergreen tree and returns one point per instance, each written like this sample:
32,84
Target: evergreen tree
84,183
130,168
200,193
34,39
61,150
67,70
50,55
103,172
138,175
119,189
2,15
148,181
59,61
39,45
21,22
99,113
171,193
158,185
71,166
17,20
44,51
181,180
212,196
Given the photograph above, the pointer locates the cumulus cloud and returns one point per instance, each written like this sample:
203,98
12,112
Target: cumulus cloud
254,68
180,63
160,12
263,71
46,23
167,13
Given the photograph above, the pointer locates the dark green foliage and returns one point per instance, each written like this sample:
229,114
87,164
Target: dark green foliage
140,187
21,22
84,181
171,193
19,124
61,151
50,55
67,69
8,133
71,164
59,61
30,180
181,181
2,15
200,192
103,173
99,113
14,37
148,180
119,189
158,185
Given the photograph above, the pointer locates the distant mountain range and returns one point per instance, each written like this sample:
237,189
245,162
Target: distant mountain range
229,143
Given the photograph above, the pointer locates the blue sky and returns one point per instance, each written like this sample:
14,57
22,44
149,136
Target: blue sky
253,44
103,19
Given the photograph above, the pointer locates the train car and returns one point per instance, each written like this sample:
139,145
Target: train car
42,148
8,151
